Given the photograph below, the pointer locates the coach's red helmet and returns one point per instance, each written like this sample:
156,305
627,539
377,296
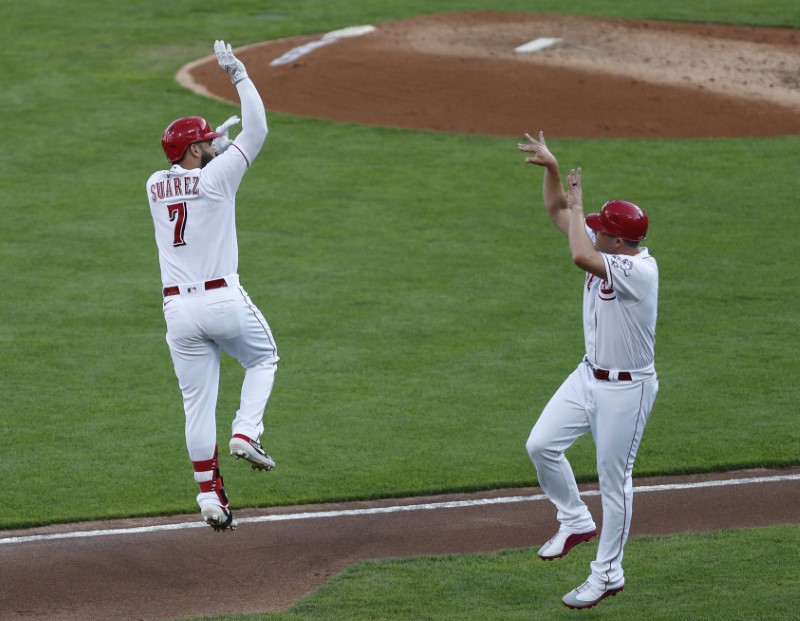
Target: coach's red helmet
620,219
183,132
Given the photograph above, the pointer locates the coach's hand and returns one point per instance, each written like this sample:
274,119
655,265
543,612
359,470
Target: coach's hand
232,65
541,154
574,189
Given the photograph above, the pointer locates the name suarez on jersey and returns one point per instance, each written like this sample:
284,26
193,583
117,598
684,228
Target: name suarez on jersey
175,186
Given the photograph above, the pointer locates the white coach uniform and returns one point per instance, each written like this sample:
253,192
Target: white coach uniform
205,307
610,394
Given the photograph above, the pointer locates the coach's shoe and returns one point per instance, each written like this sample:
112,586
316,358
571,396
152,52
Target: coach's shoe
586,596
250,450
216,511
563,541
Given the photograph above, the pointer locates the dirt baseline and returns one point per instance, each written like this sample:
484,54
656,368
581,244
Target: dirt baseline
136,571
599,78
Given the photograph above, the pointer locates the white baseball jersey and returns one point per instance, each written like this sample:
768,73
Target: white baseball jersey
194,211
619,313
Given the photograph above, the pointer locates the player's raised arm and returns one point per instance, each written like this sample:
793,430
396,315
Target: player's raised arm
254,117
555,200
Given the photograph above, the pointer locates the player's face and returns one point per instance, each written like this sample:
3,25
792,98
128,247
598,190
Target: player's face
605,243
209,153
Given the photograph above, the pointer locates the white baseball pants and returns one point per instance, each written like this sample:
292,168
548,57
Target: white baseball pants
201,324
615,413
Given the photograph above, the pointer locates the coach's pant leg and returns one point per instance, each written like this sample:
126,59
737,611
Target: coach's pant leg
561,423
254,347
619,414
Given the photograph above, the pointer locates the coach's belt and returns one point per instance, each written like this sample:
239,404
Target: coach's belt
603,375
217,283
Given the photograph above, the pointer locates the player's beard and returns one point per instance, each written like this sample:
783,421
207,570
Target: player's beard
205,158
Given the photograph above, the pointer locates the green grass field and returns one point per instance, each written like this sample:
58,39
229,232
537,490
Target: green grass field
749,575
402,273
424,308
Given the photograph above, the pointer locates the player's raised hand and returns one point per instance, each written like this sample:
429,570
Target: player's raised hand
223,142
541,154
234,120
226,59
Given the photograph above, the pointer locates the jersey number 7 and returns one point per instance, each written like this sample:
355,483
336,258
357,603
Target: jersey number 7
177,214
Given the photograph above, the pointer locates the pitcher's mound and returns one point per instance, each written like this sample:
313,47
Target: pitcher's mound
583,77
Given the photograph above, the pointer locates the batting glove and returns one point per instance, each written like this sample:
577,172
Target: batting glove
223,142
232,65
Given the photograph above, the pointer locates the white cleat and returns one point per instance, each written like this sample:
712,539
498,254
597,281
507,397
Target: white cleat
563,541
586,596
217,517
250,450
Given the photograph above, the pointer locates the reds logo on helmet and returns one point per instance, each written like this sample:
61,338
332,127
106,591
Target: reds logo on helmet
183,132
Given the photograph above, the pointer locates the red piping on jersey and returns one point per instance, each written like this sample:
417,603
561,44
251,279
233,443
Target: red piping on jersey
243,154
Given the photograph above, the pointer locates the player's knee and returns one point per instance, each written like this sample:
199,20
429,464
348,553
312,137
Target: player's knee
540,449
535,447
269,363
613,468
264,358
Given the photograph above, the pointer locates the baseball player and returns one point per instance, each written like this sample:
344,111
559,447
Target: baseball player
612,391
206,309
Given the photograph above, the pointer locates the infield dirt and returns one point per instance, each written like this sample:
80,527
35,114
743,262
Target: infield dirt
270,565
606,78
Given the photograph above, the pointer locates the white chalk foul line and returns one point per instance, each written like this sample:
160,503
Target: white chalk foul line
454,504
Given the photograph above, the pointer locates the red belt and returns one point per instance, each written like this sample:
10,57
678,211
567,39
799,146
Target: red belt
602,374
217,283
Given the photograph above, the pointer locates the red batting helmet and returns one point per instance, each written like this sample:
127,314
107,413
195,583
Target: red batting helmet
183,132
620,219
